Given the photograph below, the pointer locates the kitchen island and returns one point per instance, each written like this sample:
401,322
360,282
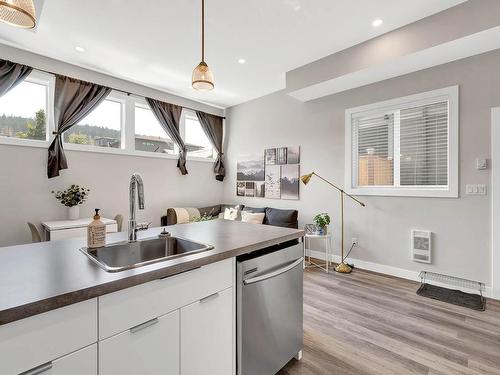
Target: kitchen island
58,309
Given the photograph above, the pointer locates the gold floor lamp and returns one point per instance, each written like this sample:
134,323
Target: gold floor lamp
342,267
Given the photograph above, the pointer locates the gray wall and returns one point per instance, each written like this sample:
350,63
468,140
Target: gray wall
25,189
461,226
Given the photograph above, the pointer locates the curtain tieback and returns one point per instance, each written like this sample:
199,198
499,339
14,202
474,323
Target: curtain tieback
57,133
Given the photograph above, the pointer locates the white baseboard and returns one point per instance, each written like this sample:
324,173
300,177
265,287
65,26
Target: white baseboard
395,271
495,293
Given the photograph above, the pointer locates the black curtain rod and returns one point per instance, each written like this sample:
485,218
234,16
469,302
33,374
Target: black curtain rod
128,93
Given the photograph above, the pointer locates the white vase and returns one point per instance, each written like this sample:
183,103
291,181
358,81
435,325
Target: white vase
73,212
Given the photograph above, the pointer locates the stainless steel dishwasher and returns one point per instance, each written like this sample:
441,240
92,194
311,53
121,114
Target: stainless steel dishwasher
269,310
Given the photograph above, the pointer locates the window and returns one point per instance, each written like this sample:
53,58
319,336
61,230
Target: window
196,140
406,146
149,135
102,127
23,109
120,124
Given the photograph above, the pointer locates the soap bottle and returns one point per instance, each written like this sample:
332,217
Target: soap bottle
96,232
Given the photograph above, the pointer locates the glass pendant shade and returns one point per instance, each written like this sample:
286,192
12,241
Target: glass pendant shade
19,13
203,79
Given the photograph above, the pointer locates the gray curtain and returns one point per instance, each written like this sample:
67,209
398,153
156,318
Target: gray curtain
169,116
213,127
73,100
11,74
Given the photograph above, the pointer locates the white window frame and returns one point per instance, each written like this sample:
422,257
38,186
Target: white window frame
47,80
113,96
142,103
188,113
450,94
127,146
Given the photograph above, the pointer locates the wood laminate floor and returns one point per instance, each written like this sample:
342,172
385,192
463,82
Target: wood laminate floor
367,323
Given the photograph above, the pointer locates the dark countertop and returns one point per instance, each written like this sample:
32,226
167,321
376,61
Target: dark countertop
36,278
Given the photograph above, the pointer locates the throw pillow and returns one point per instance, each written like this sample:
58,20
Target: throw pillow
182,215
230,213
281,218
250,217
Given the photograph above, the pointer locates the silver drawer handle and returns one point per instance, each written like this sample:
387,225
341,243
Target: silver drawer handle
274,273
144,325
38,370
208,298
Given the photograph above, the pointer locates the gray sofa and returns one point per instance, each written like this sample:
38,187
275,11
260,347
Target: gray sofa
273,216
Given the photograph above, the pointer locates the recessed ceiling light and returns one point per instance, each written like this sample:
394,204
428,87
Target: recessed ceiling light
242,61
80,49
378,22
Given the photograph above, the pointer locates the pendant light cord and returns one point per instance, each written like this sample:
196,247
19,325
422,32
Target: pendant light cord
203,30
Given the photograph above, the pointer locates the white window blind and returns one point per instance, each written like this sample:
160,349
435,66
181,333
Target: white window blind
374,147
406,146
424,145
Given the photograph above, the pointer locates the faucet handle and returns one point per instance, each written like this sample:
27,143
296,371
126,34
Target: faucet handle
142,226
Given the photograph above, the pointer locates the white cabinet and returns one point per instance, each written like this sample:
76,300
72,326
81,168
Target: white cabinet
151,348
81,362
182,324
207,335
126,308
63,229
39,339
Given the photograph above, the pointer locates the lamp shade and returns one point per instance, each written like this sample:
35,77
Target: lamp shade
306,178
19,13
203,79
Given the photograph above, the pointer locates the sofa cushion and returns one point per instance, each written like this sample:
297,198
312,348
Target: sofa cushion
254,209
252,217
281,218
211,210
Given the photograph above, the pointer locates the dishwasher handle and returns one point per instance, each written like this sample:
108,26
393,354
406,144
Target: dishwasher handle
275,273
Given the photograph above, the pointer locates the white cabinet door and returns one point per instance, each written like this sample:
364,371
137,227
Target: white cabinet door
81,362
39,339
207,335
151,348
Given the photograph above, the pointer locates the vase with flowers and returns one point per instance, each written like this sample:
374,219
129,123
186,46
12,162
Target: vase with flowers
72,198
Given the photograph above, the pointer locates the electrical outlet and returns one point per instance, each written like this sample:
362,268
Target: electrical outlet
354,241
475,189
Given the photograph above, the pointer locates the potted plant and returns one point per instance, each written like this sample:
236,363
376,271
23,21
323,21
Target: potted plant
321,221
72,198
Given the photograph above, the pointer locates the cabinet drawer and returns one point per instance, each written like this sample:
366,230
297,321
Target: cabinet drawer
151,348
81,362
42,338
126,308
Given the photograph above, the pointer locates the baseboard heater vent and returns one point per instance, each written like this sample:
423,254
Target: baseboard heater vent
433,285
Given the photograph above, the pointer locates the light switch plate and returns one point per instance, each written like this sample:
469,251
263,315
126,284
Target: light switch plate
475,189
481,163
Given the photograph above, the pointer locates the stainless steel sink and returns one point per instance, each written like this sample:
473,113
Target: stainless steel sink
125,255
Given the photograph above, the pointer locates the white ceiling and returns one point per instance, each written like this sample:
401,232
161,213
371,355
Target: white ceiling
157,42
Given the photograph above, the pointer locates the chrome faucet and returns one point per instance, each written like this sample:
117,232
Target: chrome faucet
135,184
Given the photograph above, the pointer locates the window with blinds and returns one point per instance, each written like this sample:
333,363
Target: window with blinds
404,144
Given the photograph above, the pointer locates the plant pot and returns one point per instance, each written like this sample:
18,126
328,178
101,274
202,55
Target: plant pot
74,212
321,231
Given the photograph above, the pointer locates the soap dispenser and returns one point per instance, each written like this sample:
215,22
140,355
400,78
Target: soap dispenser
96,232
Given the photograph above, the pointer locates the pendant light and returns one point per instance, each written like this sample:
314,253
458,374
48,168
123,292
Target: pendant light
203,79
19,13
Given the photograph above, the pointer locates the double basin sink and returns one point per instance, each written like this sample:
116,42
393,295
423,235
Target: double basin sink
125,255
